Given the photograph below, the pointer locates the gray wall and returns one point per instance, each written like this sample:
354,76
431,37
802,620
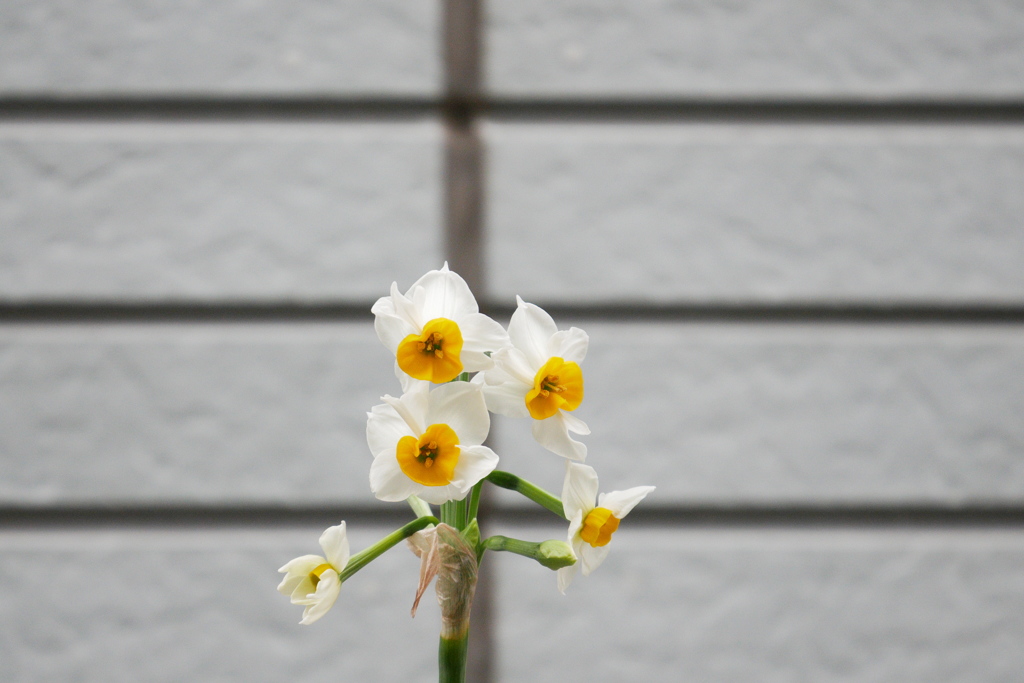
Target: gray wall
791,229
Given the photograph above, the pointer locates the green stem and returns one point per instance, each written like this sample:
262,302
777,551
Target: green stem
455,513
451,659
365,557
551,554
451,654
474,501
449,513
507,480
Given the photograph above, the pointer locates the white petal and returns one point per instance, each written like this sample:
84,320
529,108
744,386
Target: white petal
404,380
575,524
553,435
514,364
461,406
570,345
302,564
530,330
439,495
412,406
576,543
621,502
480,333
324,598
387,480
334,541
392,330
475,361
507,399
444,295
591,557
384,428
566,575
475,463
579,491
574,424
399,306
297,570
303,590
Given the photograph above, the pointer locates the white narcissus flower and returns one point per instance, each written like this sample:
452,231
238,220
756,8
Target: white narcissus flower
315,581
539,377
435,329
427,443
591,526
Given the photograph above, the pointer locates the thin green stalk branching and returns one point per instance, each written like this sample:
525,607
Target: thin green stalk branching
507,480
365,557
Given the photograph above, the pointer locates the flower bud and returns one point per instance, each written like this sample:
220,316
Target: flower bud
555,554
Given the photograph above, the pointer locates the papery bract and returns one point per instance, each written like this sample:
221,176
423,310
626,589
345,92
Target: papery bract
539,377
591,525
428,443
314,581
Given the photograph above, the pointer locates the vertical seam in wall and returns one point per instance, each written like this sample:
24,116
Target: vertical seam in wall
463,177
463,230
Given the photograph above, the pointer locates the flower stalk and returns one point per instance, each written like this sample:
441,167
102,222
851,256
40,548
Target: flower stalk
451,659
365,557
550,554
507,480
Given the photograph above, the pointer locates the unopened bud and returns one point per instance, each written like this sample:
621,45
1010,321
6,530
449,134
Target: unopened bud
556,554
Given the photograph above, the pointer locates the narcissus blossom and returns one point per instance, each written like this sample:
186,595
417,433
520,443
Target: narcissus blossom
435,329
591,526
539,377
315,581
427,443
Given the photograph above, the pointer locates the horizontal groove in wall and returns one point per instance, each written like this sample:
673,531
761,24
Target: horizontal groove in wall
163,312
201,109
809,111
197,516
526,109
826,312
285,312
782,516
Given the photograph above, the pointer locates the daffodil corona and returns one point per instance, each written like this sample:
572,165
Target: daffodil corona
435,329
428,443
314,581
539,376
591,526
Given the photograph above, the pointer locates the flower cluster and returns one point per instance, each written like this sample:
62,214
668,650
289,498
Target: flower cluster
427,443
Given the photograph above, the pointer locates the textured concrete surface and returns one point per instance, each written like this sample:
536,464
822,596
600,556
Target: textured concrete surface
757,50
124,179
760,605
217,211
168,413
797,413
231,47
726,413
703,213
201,605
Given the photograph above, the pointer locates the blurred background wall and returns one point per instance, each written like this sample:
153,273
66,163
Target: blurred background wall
792,230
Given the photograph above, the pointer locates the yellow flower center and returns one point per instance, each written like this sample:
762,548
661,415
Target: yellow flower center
598,527
557,386
432,355
431,459
315,575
